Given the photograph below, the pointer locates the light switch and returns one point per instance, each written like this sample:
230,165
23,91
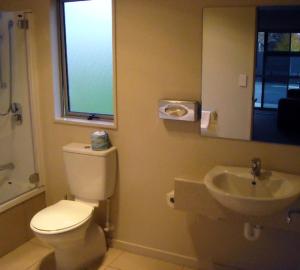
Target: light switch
243,80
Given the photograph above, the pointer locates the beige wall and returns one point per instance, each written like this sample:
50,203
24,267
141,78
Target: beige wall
159,56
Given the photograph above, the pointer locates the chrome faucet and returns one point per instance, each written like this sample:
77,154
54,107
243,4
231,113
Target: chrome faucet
292,212
256,167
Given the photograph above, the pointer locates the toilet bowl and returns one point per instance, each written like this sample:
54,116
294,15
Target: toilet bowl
68,226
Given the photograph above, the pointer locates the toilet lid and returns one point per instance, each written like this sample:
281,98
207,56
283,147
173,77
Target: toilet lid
62,216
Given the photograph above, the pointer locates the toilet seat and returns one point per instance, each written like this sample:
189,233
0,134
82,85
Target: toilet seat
61,217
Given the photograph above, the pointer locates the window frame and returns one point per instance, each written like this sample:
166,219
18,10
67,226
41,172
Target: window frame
267,53
64,89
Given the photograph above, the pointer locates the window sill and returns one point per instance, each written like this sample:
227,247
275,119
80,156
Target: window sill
82,122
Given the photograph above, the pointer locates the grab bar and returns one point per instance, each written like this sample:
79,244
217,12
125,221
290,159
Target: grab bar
2,83
10,68
8,166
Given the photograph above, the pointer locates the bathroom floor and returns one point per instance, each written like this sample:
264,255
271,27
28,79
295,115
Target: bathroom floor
29,257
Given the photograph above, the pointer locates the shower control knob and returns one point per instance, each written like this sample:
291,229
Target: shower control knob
17,116
34,179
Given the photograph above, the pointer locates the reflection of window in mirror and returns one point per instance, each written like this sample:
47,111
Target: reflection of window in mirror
276,110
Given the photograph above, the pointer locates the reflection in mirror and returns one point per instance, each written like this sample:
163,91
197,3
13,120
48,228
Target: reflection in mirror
276,112
251,73
227,70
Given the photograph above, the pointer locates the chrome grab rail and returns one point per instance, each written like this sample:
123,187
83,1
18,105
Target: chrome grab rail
8,166
2,83
10,68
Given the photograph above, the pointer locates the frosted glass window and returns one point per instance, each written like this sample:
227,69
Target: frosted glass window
88,53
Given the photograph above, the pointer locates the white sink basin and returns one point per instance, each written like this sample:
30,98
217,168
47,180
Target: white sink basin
233,188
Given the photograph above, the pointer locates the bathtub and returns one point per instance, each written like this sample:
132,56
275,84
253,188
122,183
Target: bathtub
14,192
19,201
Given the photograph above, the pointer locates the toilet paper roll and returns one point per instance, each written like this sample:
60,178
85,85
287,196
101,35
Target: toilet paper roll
170,196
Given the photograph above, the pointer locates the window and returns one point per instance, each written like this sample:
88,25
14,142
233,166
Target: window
87,59
295,46
279,42
277,67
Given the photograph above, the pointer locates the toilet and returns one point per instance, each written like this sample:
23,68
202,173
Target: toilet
68,226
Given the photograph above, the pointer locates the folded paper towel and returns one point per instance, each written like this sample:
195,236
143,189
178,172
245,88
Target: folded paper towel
205,119
209,123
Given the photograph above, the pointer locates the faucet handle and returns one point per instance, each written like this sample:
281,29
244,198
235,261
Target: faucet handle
256,162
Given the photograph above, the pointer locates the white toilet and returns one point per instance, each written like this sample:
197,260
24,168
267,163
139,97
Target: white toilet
67,226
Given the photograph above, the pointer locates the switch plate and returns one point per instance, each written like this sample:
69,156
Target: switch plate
243,80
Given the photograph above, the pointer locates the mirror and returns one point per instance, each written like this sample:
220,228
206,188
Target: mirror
251,73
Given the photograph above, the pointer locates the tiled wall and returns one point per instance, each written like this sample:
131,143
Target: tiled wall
14,223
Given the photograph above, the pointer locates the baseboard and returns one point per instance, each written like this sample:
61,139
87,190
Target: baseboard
162,255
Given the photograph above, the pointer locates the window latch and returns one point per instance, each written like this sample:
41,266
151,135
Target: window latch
92,117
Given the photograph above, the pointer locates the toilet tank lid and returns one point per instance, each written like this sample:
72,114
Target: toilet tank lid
61,216
85,149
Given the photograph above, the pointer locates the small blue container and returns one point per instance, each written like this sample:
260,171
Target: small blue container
100,140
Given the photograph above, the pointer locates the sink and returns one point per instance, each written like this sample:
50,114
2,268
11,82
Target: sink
235,188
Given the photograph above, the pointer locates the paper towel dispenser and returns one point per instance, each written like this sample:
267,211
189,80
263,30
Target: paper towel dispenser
179,110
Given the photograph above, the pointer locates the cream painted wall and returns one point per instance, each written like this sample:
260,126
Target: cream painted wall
159,56
228,52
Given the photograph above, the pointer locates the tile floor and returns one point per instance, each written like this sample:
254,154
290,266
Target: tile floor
29,257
